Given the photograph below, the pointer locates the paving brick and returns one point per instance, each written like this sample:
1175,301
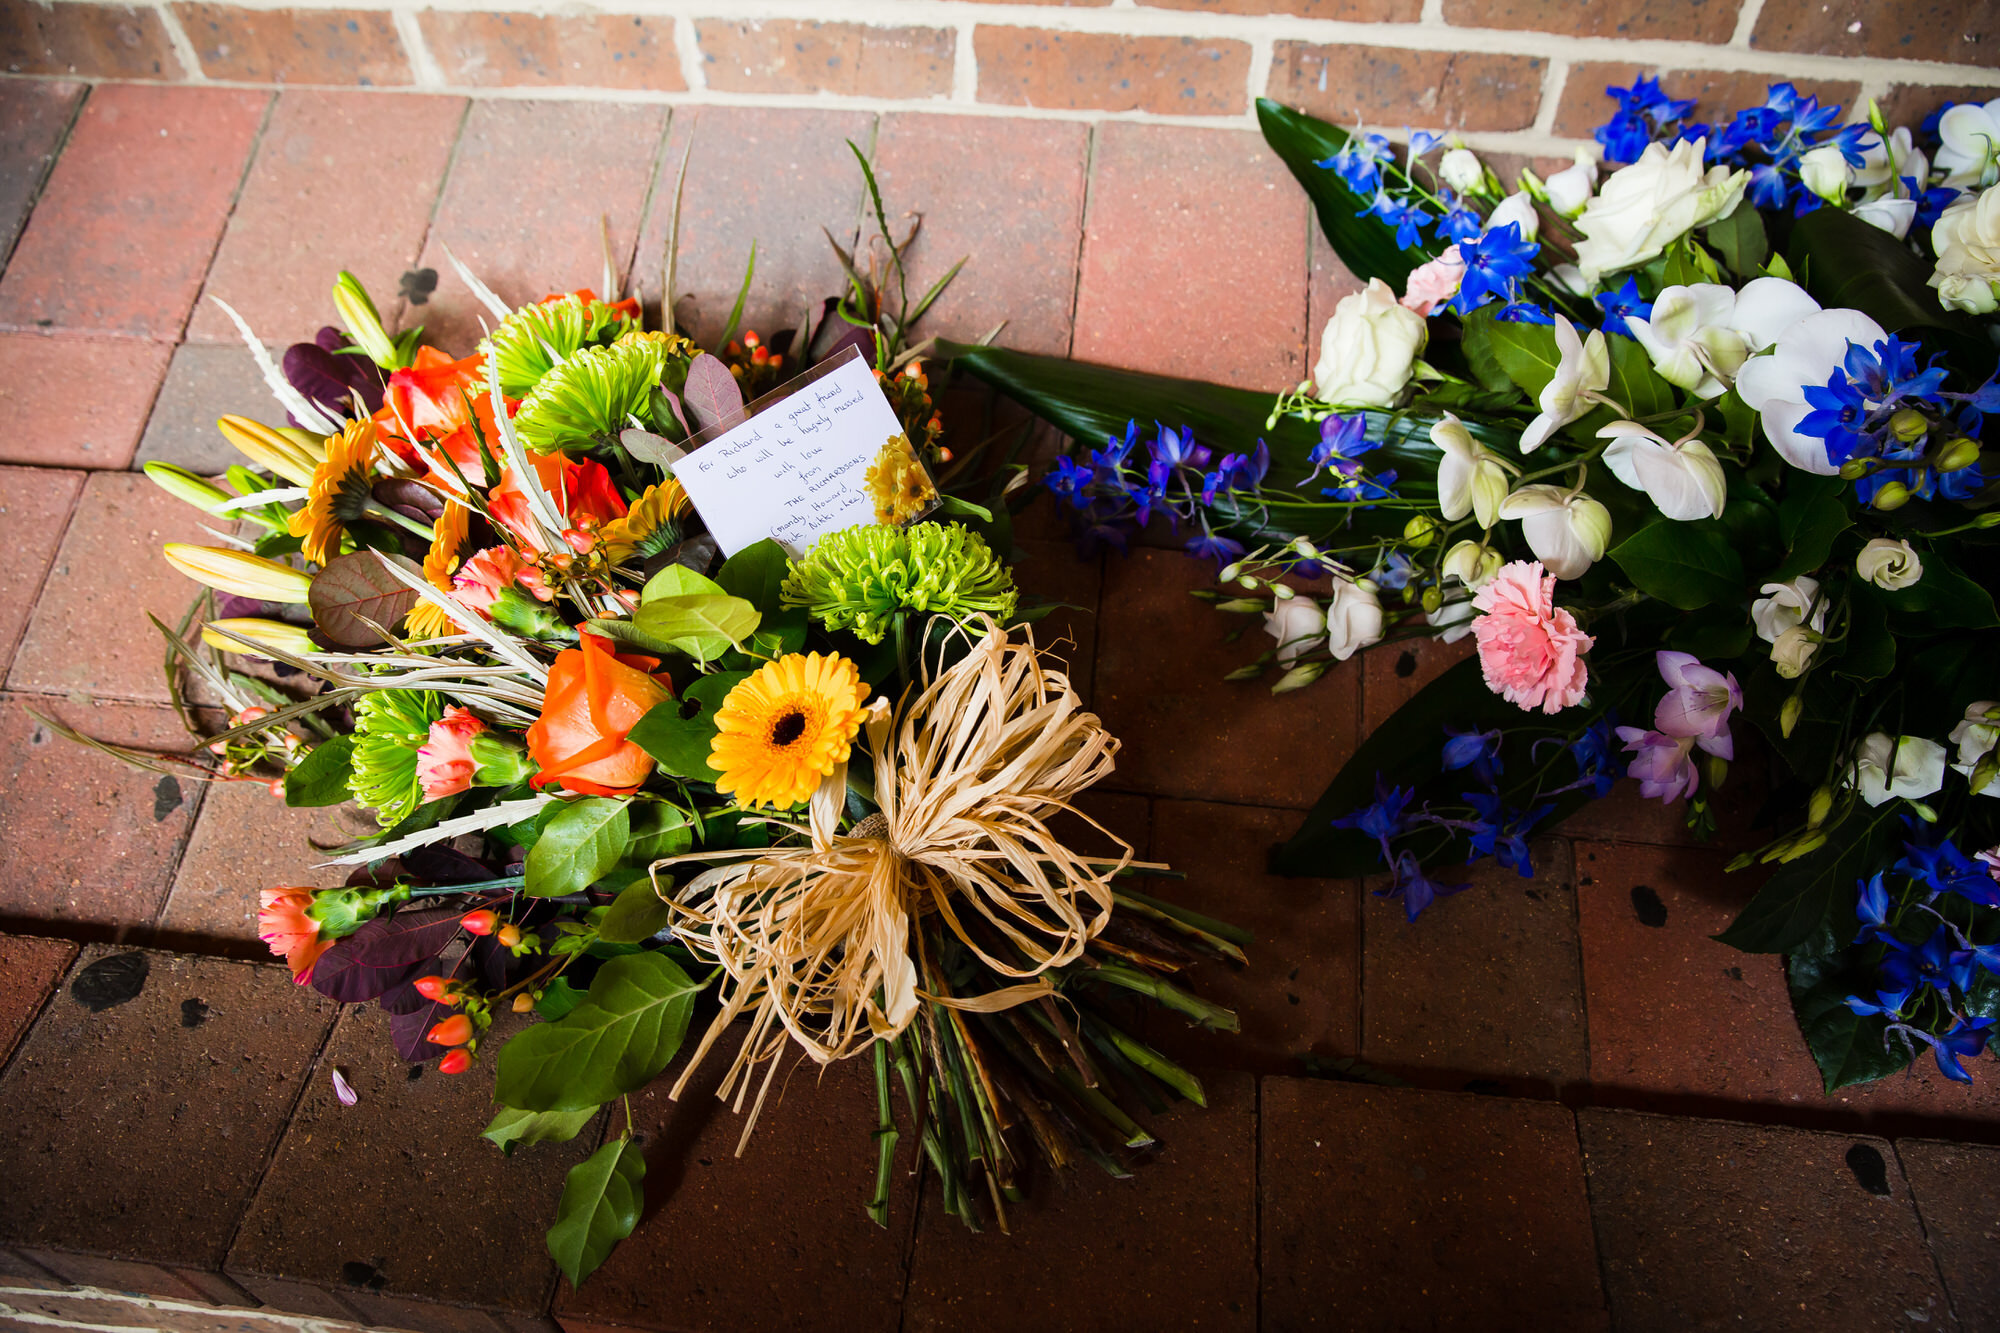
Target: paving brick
1017,221
1437,90
1387,1208
1350,11
574,50
1392,676
29,970
1092,71
1052,571
424,1207
203,382
1956,31
107,1273
1701,21
76,402
34,118
35,505
585,159
1719,94
734,1242
91,41
770,176
1957,1191
1299,994
108,574
1186,731
196,1073
245,840
341,180
129,218
848,59
1172,1247
1910,103
1161,194
1705,1224
329,46
1626,816
92,843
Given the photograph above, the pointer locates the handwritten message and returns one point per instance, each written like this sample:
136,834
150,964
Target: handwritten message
797,470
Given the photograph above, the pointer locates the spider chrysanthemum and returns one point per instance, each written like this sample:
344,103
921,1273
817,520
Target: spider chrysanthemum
390,726
339,493
859,578
589,397
786,727
536,337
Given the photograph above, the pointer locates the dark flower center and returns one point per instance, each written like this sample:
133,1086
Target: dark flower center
789,727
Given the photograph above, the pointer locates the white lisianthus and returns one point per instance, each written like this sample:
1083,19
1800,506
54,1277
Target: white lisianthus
1825,172
1651,204
1368,349
1472,563
1969,138
1585,368
1518,209
1807,353
1793,652
1569,189
1296,624
1966,238
1888,766
1567,530
1889,564
1784,605
1462,170
1683,478
1471,478
1353,616
1975,737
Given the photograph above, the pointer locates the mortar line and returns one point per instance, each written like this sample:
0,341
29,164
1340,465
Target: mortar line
1924,1229
222,233
437,203
423,61
182,44
687,49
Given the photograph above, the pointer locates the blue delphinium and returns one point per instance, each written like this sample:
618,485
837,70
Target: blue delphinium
1623,303
1881,404
1404,215
1474,749
1359,163
1769,141
1494,267
1644,114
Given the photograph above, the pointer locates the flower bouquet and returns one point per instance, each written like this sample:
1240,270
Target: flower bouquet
825,800
1681,443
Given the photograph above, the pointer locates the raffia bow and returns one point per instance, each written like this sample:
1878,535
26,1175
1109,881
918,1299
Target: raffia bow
815,938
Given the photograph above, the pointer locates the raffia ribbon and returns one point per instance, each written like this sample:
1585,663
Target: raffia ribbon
815,938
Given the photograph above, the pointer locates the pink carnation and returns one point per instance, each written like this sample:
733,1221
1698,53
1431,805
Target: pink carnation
1529,648
480,580
1435,282
444,764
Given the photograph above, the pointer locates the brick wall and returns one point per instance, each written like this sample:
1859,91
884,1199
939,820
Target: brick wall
1520,75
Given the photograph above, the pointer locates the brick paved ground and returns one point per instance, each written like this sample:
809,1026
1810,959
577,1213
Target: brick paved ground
1575,1001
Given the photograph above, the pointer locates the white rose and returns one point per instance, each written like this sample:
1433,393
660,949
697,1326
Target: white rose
1966,238
1888,563
1825,172
1569,189
1353,618
1368,348
1783,606
1471,478
1888,766
1567,530
1296,624
1793,652
1462,171
1518,209
1651,204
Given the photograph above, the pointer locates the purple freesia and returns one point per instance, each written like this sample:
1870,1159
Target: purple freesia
1662,763
1698,703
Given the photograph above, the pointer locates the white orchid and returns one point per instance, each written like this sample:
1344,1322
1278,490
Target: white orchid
1471,478
1891,215
1975,738
1472,563
1969,135
1683,477
1583,371
1888,766
1567,530
1807,353
1699,336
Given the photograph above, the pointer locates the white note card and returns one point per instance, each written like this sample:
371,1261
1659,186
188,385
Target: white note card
803,466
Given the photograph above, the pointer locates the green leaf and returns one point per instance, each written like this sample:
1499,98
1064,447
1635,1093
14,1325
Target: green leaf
1812,513
637,914
629,637
1527,352
1713,633
1870,651
601,1199
321,777
1848,1047
1687,565
755,574
1365,243
1797,901
512,1128
1943,598
1634,382
679,581
559,998
1740,240
578,845
617,1041
680,744
658,829
1477,345
1847,262
702,625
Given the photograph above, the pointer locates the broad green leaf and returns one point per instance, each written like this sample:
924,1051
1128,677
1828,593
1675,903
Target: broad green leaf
1943,598
680,744
637,914
512,1128
702,625
1848,1047
558,999
601,1199
1480,358
1527,352
755,574
1847,262
1634,382
1870,650
1797,901
1365,243
781,633
1810,516
321,777
658,829
1712,634
615,1042
678,581
629,637
1687,565
578,845
1740,240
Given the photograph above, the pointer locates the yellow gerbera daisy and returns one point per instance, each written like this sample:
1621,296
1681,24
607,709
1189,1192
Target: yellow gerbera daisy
786,727
426,621
339,492
660,505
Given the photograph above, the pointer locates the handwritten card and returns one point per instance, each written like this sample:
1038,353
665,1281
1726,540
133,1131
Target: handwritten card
825,452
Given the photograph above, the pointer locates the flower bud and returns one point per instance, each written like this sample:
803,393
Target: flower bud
431,988
498,761
1718,771
1909,425
1433,599
1894,495
1819,807
1229,573
271,450
1305,548
1923,811
508,935
1990,519
1788,715
1960,453
185,486
1811,842
1420,532
524,1003
363,323
340,912
455,1062
1854,469
1282,593
286,638
1247,583
239,572
454,1031
482,922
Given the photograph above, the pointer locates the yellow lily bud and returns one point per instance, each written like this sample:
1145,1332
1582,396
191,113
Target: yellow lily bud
1811,842
363,323
268,449
1788,715
239,572
185,485
268,633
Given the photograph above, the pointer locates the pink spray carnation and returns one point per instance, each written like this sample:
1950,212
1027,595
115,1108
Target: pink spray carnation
293,936
1529,648
1435,282
480,580
444,764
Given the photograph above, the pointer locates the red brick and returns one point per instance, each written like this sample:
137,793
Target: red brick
1328,281
93,41
330,46
847,59
1385,86
131,213
1705,1224
563,50
34,117
1164,203
1392,1208
1666,20
245,840
340,181
1348,11
1957,1191
1173,1247
192,1077
77,402
108,1273
29,970
1718,94
585,159
204,381
772,176
1909,103
1017,221
1393,675
108,574
1101,71
35,505
1957,31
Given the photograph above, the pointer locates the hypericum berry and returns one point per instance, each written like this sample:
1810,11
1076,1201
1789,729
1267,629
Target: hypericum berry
509,935
454,1031
278,788
482,922
455,1062
431,988
523,1002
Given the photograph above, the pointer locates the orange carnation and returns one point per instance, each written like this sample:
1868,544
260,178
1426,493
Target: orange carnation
293,936
595,696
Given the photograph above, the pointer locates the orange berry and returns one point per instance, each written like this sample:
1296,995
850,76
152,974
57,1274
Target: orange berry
481,922
454,1031
431,988
509,935
455,1062
523,1002
278,788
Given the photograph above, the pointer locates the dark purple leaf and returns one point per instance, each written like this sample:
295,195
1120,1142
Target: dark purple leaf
711,394
228,606
403,997
377,876
437,864
413,499
847,335
330,338
330,379
354,589
405,938
341,975
407,1032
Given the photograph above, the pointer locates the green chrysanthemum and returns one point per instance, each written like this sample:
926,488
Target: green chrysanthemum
591,396
390,726
858,578
535,338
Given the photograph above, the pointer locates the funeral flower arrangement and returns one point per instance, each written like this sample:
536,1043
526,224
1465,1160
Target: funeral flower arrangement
1690,435
620,781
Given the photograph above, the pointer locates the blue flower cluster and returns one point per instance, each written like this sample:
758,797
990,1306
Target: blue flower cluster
1644,114
1880,404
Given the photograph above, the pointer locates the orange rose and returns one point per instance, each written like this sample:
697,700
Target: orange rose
595,696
